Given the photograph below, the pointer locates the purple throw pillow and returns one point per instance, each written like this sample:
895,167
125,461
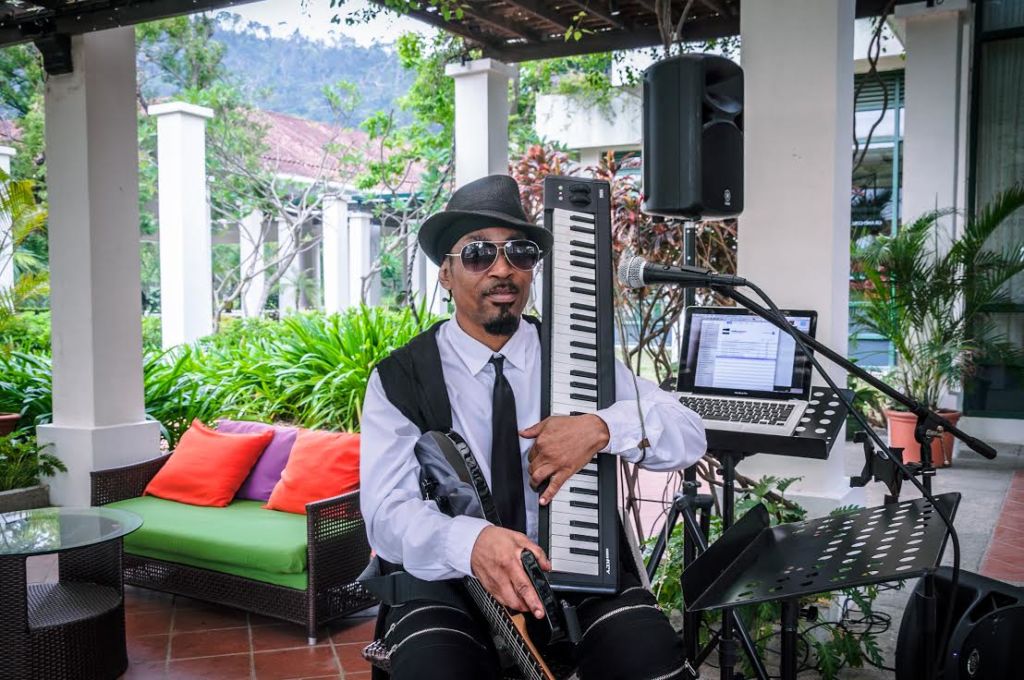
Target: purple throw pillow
267,470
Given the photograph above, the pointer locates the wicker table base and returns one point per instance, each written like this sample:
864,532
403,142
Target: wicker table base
71,629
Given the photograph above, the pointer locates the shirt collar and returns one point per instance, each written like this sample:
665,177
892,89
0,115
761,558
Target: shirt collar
476,355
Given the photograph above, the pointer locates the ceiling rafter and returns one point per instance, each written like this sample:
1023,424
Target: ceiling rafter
590,8
541,11
500,23
456,27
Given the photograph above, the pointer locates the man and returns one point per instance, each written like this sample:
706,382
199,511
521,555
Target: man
490,362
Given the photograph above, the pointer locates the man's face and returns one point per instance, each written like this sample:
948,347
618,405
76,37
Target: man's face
494,299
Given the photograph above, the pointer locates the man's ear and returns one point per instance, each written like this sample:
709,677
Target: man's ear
444,274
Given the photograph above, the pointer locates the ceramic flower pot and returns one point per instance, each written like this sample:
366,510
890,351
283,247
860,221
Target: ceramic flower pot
8,423
901,434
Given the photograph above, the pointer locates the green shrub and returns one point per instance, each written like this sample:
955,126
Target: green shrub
27,332
26,386
23,462
309,369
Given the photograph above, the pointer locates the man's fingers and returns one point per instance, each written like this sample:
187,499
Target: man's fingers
554,484
538,473
538,552
529,596
532,431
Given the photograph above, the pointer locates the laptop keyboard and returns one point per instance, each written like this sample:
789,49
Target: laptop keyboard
739,411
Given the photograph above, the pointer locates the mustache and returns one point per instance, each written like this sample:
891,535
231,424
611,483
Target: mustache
504,287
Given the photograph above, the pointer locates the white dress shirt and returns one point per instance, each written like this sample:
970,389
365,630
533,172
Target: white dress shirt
407,530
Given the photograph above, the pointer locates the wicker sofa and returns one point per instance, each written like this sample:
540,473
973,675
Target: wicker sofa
295,568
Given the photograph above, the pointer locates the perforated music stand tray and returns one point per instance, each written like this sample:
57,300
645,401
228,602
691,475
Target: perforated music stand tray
759,563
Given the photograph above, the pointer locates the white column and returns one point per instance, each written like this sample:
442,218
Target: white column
590,157
250,258
481,118
481,134
92,157
186,280
334,246
288,285
6,238
795,231
361,242
935,118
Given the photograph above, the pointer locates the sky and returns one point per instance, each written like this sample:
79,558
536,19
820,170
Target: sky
312,18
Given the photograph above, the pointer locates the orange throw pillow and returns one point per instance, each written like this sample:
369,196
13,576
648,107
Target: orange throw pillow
320,465
207,467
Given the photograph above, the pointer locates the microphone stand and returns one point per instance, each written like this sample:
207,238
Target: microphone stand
929,423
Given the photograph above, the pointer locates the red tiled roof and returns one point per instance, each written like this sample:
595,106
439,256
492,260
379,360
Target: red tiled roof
298,147
9,132
310,149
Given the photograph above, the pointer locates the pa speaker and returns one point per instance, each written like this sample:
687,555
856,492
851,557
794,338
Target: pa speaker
988,624
693,137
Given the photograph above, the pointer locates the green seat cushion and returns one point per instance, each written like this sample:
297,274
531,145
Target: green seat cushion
241,539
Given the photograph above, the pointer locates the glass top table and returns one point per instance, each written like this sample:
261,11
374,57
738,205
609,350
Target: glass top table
49,530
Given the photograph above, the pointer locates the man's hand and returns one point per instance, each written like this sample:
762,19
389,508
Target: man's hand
563,445
496,562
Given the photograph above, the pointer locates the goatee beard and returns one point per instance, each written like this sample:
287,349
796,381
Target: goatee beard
503,325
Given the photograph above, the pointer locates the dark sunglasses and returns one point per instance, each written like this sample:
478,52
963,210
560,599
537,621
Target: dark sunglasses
479,256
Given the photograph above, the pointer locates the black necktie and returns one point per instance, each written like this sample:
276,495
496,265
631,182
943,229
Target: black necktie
506,461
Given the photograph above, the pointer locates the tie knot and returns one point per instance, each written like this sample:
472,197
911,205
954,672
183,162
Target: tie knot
499,363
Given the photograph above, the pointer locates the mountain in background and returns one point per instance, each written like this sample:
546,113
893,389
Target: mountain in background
288,75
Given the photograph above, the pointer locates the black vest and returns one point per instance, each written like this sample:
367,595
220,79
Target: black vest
413,380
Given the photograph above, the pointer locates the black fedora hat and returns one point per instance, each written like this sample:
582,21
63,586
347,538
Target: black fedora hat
491,201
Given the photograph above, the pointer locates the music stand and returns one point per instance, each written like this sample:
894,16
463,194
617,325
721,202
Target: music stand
892,542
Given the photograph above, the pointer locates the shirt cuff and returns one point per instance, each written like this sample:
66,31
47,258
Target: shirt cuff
623,430
462,534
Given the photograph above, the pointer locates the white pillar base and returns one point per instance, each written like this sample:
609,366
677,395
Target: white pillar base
84,449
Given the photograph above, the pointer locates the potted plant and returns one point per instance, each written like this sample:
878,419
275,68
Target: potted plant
22,464
927,292
19,210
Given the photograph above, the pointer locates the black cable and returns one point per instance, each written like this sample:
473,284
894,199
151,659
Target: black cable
954,538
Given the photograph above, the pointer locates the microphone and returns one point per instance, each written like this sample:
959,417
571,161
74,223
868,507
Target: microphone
636,272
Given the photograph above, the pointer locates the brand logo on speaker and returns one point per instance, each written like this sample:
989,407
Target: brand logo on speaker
727,197
972,663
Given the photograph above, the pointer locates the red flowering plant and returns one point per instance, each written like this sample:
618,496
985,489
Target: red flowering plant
644,317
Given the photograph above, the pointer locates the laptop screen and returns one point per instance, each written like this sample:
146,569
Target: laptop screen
731,351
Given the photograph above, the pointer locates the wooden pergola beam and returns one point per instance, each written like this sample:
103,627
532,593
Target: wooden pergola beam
455,27
541,11
722,8
589,6
500,23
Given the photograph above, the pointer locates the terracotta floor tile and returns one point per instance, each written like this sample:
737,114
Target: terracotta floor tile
148,623
138,600
209,643
145,671
232,667
351,657
208,617
295,663
281,636
356,630
260,620
362,675
147,648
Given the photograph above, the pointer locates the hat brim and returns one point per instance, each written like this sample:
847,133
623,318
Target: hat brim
443,229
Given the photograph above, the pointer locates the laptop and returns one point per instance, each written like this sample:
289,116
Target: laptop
742,373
